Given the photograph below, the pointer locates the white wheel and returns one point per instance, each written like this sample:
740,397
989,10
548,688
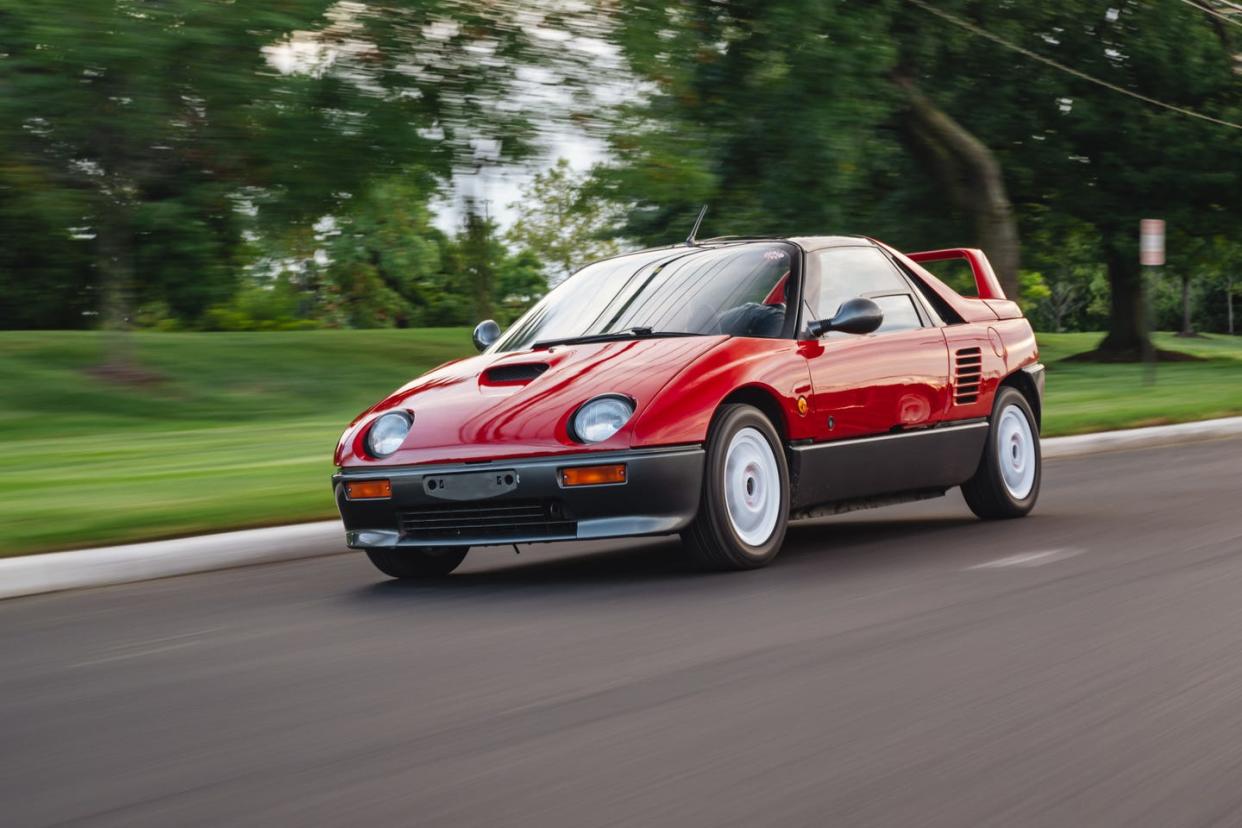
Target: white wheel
1006,484
752,487
745,506
1015,451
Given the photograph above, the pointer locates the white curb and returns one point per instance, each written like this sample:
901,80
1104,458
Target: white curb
52,572
1132,438
34,574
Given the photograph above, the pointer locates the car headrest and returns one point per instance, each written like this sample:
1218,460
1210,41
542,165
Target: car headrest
753,319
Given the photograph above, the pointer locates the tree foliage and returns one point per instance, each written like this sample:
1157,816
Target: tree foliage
794,116
560,220
153,130
382,263
1072,150
775,113
168,162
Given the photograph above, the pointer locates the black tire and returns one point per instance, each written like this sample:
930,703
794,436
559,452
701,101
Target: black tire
711,540
431,562
986,493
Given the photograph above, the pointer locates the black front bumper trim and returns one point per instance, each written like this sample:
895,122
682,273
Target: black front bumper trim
660,496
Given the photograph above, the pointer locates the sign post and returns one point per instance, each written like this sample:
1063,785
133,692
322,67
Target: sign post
1151,255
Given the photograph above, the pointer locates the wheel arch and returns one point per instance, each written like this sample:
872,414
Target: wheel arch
1022,381
761,398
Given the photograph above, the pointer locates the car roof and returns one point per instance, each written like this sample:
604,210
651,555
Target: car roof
807,243
811,243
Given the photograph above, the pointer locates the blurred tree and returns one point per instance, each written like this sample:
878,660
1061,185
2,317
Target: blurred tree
382,263
1066,252
45,262
478,249
156,128
384,259
1206,269
272,306
562,222
971,176
772,112
1071,149
490,280
786,117
520,283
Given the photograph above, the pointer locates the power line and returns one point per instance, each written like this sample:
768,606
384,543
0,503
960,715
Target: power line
1214,13
981,32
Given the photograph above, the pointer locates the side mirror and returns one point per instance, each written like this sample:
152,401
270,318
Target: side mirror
485,334
857,316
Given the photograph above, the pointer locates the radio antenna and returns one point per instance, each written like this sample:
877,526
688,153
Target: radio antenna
698,221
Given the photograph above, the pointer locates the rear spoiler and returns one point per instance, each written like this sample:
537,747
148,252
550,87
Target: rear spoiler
985,278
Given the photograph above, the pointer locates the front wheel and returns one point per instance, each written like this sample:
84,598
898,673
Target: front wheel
429,562
1006,484
745,502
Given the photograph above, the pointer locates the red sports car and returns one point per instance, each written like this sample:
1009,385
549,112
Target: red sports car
717,389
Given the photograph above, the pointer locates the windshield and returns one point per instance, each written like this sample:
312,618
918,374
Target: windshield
738,290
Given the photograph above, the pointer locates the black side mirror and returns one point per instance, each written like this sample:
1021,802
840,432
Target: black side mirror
857,316
485,334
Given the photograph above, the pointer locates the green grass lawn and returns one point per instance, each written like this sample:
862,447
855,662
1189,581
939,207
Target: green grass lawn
239,429
1084,397
239,432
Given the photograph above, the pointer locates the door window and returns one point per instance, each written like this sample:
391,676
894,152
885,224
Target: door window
849,272
899,313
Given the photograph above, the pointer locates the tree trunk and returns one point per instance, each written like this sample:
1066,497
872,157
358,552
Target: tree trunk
1187,330
1229,301
973,179
1128,338
478,262
115,263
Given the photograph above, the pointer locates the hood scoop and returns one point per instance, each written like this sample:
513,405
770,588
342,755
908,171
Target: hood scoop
514,373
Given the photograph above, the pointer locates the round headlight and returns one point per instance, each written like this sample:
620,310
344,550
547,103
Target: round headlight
388,433
600,418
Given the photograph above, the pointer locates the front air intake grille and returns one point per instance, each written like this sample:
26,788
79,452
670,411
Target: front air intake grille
495,521
967,375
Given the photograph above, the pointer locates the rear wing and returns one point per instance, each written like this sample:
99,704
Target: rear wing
985,278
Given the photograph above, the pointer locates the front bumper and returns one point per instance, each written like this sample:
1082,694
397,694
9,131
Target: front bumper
659,496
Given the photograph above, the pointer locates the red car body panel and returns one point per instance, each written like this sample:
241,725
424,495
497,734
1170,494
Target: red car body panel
459,415
1004,309
683,409
877,383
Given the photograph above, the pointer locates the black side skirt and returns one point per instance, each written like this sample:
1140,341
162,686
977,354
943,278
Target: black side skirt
912,461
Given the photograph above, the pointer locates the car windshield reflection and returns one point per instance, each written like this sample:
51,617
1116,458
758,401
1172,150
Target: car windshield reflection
735,290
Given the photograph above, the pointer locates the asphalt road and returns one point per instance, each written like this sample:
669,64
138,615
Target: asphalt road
905,667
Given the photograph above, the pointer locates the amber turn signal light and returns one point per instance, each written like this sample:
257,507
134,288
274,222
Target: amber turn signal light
593,475
368,489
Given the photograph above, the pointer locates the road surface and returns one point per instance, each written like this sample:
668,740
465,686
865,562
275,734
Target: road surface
905,667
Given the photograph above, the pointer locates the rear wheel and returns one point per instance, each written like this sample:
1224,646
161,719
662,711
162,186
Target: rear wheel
429,562
1006,484
745,502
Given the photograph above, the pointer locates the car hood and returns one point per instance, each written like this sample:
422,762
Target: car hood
518,404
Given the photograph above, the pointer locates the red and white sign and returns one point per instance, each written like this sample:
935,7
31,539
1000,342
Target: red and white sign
1151,241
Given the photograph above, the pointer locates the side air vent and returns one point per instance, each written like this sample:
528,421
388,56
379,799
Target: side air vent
967,375
518,372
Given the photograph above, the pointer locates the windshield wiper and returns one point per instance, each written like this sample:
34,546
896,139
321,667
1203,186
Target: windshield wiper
615,336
